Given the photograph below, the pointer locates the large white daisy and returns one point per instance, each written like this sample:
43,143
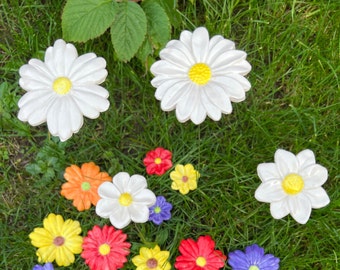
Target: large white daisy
124,200
199,76
292,185
63,89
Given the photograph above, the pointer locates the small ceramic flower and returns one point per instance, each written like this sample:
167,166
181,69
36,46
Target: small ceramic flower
292,185
125,199
46,266
63,89
160,211
184,178
58,240
105,248
199,76
152,259
82,184
199,255
158,161
253,258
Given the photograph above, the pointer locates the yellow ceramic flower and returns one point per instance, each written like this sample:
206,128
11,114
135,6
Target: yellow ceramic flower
152,259
58,240
184,178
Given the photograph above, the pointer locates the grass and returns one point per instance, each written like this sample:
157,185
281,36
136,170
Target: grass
293,104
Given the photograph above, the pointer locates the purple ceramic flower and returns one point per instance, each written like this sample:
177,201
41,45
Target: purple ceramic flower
46,266
253,259
160,211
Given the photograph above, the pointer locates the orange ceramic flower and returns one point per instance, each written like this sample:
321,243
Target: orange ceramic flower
82,184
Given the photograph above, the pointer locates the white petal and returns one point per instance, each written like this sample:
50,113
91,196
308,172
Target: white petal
139,213
218,97
279,209
37,70
121,218
70,55
314,176
187,103
198,114
92,71
136,184
80,62
53,116
93,89
106,207
241,80
231,87
305,159
212,110
176,57
163,67
200,44
145,196
242,68
221,46
268,172
228,58
286,162
33,85
183,47
174,95
108,190
32,102
300,208
185,38
121,180
318,197
90,99
270,191
214,41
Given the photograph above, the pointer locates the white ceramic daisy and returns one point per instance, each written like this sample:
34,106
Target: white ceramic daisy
199,76
63,89
292,185
124,200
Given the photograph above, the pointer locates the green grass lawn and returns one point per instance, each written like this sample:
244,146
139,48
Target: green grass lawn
294,104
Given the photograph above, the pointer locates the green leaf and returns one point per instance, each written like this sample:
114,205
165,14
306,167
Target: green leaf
158,23
170,8
128,30
145,50
86,19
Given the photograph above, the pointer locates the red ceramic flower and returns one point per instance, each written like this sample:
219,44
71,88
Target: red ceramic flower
105,248
199,255
158,161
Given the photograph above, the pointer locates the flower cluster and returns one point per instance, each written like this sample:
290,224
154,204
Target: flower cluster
197,76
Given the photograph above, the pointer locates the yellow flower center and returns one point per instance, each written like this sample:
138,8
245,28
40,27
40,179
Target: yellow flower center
157,210
253,267
62,85
104,249
200,73
201,261
85,186
292,184
151,263
158,160
125,199
58,241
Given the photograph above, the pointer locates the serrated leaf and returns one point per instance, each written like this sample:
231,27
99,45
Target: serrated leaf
128,30
145,50
170,8
86,19
158,23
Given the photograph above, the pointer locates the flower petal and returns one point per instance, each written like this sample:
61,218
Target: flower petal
108,190
163,67
305,159
137,183
106,207
139,213
212,110
218,97
175,92
121,218
120,180
90,99
93,71
318,197
286,162
200,44
186,104
314,176
199,113
231,87
268,172
217,47
279,209
145,196
270,191
300,208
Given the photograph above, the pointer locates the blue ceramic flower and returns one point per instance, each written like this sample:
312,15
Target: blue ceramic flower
253,259
160,211
46,266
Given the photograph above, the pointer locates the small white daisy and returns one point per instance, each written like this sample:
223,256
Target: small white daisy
199,76
124,200
292,185
63,89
